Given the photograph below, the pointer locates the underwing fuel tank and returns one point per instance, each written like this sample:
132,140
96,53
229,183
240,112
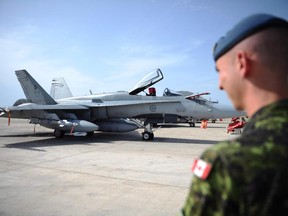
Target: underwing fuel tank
67,125
117,125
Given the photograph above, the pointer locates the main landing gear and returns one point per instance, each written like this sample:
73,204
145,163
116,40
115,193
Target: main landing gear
59,133
191,122
148,133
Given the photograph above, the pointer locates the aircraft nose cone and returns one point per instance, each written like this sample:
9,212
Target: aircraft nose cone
227,111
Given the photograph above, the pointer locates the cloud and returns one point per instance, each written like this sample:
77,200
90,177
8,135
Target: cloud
136,59
18,51
120,71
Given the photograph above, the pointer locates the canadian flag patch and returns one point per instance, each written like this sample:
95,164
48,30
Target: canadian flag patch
201,169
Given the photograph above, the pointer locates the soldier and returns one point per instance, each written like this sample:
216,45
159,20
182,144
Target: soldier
248,175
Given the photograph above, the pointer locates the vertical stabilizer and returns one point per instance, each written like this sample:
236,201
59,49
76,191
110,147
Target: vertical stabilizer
60,89
32,90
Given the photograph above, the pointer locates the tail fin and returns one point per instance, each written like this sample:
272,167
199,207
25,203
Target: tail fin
32,90
60,89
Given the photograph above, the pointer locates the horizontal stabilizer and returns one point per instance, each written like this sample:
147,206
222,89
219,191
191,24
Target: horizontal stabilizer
40,107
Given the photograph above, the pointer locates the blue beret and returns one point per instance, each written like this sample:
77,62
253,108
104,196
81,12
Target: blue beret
245,28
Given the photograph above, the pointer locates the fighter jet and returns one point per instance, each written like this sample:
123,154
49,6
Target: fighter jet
91,113
214,109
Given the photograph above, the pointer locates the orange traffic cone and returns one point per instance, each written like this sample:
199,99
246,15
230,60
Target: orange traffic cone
204,124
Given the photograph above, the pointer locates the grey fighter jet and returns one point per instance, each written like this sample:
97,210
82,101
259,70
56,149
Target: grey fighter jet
210,109
91,113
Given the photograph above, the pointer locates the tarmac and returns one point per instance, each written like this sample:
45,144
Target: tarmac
107,174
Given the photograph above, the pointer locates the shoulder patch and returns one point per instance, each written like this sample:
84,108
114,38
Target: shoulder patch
201,168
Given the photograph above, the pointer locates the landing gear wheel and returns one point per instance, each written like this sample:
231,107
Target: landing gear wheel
59,133
192,124
147,136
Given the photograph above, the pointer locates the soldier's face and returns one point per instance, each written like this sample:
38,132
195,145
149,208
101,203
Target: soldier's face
229,79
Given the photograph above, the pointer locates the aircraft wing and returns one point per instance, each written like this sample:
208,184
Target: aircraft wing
87,112
126,103
30,110
83,106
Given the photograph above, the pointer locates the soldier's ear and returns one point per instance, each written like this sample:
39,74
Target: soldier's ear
243,63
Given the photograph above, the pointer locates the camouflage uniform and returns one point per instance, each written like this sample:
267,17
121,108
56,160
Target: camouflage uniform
249,175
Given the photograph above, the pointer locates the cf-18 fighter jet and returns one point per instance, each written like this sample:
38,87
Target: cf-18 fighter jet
209,110
91,113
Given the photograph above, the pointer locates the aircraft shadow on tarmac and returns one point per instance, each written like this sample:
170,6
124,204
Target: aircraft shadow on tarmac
95,140
36,145
197,126
50,140
184,141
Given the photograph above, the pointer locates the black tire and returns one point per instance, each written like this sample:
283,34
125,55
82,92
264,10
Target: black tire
192,124
147,136
59,133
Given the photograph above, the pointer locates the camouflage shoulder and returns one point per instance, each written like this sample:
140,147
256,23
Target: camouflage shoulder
213,153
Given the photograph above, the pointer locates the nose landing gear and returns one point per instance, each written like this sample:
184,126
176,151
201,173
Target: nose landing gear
147,136
148,133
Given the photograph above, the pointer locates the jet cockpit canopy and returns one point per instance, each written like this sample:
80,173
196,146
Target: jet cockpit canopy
170,92
147,81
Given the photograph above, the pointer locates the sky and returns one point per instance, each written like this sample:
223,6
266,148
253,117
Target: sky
109,45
